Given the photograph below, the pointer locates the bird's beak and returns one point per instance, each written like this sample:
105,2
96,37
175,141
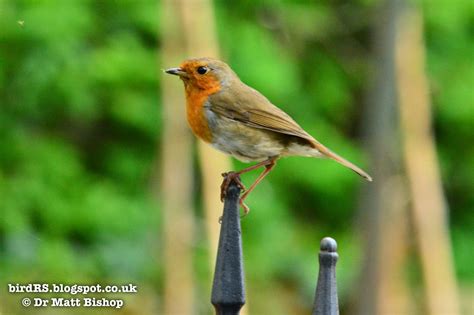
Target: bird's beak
177,71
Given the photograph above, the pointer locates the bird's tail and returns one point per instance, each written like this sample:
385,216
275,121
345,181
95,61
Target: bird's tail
328,153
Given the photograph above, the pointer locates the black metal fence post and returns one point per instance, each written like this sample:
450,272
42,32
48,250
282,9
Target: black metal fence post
326,301
228,292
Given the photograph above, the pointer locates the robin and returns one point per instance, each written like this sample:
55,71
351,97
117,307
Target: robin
238,120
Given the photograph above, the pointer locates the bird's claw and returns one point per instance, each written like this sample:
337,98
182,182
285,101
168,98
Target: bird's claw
244,206
228,178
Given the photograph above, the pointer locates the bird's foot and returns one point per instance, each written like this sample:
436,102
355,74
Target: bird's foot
228,178
245,207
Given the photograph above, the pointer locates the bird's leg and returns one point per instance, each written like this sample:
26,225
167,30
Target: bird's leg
230,176
268,168
235,176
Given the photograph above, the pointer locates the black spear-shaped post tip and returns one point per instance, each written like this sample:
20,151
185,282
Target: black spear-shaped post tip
325,300
228,292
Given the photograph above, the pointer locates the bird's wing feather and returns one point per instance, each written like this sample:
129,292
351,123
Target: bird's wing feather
254,110
251,108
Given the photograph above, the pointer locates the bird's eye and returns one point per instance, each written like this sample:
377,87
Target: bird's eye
202,70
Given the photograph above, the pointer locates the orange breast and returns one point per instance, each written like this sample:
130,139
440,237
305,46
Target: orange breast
195,100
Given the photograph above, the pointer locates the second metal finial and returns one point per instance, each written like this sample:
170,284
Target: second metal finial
326,301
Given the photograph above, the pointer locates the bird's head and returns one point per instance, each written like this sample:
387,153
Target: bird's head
204,73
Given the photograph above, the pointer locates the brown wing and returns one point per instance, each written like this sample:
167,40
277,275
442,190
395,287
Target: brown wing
244,104
253,109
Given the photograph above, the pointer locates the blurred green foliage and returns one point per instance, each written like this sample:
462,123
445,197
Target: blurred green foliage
79,119
80,122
